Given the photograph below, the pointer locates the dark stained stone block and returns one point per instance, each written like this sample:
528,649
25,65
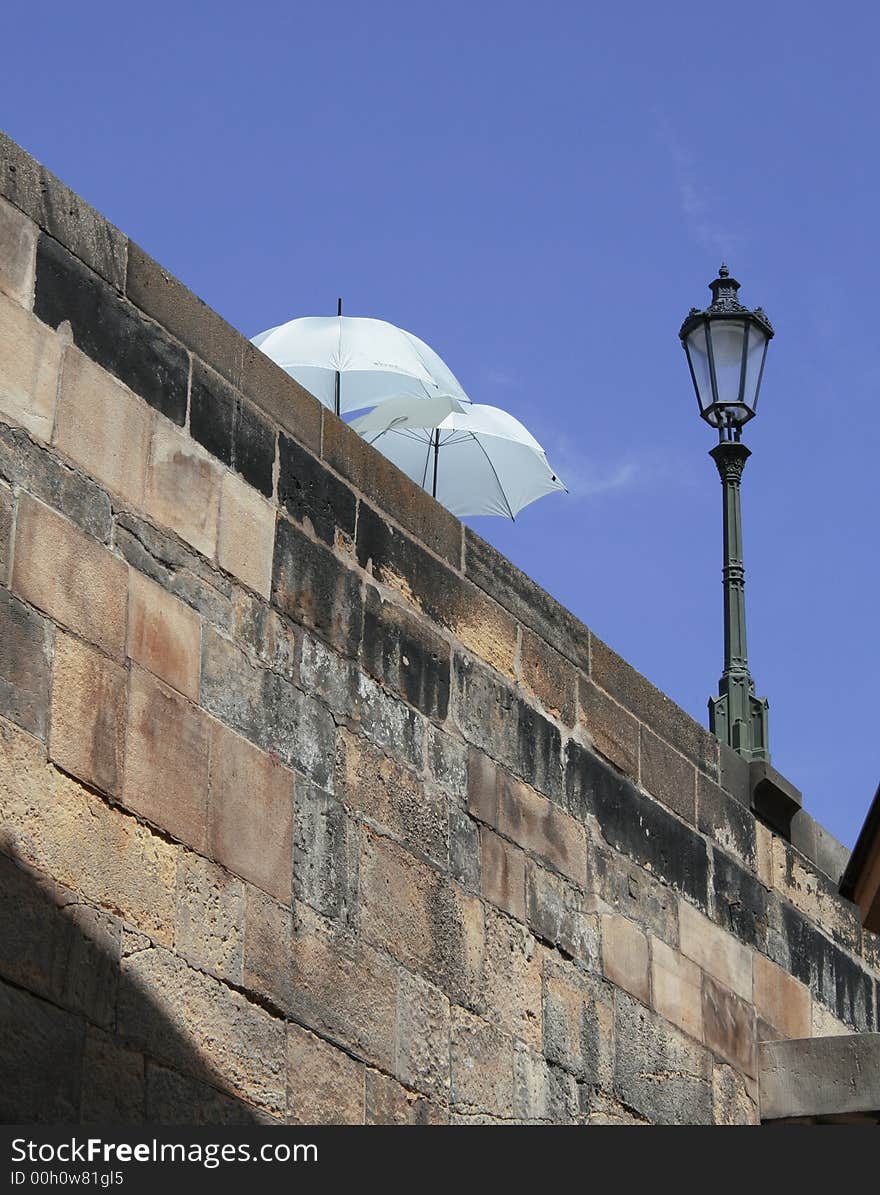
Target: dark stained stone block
725,821
406,654
740,905
212,411
25,644
309,491
314,588
253,448
325,854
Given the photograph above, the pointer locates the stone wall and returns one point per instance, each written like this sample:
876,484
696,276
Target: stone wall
314,808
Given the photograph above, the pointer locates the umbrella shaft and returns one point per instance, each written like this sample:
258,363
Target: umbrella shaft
436,456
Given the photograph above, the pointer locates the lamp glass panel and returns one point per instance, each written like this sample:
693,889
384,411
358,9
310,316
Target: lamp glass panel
754,357
698,352
727,348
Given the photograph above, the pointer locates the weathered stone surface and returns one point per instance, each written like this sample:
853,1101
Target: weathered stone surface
69,576
343,989
112,1081
668,776
615,733
267,709
729,1025
110,331
310,492
717,952
728,823
325,854
88,714
658,1072
101,853
830,1076
56,208
615,884
263,632
209,929
25,647
41,1054
820,847
387,1102
173,1098
652,707
166,760
253,448
423,1033
481,1066
625,956
212,403
527,602
18,247
314,588
561,915
420,917
374,785
219,1035
732,1101
383,483
24,463
740,902
447,763
781,1001
404,653
549,677
578,1022
814,894
183,488
103,427
603,1109
284,400
250,802
518,812
268,936
325,1086
503,870
676,989
542,1094
508,990
30,357
7,518
164,635
246,535
464,849
733,775
432,587
636,825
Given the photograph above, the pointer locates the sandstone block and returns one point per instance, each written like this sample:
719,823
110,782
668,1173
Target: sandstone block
405,653
387,1102
625,956
69,576
30,357
246,536
578,1023
503,874
283,399
325,854
267,948
781,1001
174,1098
423,1028
728,823
615,733
676,989
183,488
112,1081
103,427
313,587
325,1086
88,714
550,677
508,991
18,247
464,849
309,492
561,915
164,635
668,776
733,1097
251,812
7,513
542,1094
166,753
729,1026
209,930
716,951
481,1060
25,645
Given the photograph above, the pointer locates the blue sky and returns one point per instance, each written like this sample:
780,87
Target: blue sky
541,193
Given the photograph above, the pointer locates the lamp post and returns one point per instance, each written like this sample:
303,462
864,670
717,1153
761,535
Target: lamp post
726,346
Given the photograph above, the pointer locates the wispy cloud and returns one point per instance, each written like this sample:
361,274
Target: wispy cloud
497,376
698,205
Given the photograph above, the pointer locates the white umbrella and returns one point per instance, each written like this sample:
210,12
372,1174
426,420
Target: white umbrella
350,363
476,461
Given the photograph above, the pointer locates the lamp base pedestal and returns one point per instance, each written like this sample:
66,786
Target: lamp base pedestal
740,719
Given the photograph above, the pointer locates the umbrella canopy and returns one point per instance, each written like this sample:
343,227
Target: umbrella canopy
476,461
374,360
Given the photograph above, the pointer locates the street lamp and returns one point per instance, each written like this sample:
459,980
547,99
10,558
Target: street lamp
726,346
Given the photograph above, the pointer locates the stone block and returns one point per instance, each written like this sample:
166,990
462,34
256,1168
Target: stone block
325,854
25,648
733,1097
103,427
740,902
314,588
112,1082
521,814
384,484
729,1026
166,760
447,764
250,805
614,732
164,635
764,854
481,1060
387,1102
173,1098
726,822
313,495
733,775
406,654
423,1034
549,677
561,915
526,601
374,785
503,874
110,331
30,358
716,951
106,856
183,314
625,956
432,587
268,935
88,714
616,884
246,536
508,988
25,463
209,930
658,1072
578,1023
253,448
781,1001
815,895
70,576
212,403
668,776
284,400
262,631
41,1050
542,1094
183,489
18,248
325,1086
676,989
343,989
7,519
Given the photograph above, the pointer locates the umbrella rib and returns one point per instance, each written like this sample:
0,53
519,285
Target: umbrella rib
497,478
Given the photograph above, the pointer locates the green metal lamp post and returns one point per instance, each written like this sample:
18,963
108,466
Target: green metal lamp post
726,346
